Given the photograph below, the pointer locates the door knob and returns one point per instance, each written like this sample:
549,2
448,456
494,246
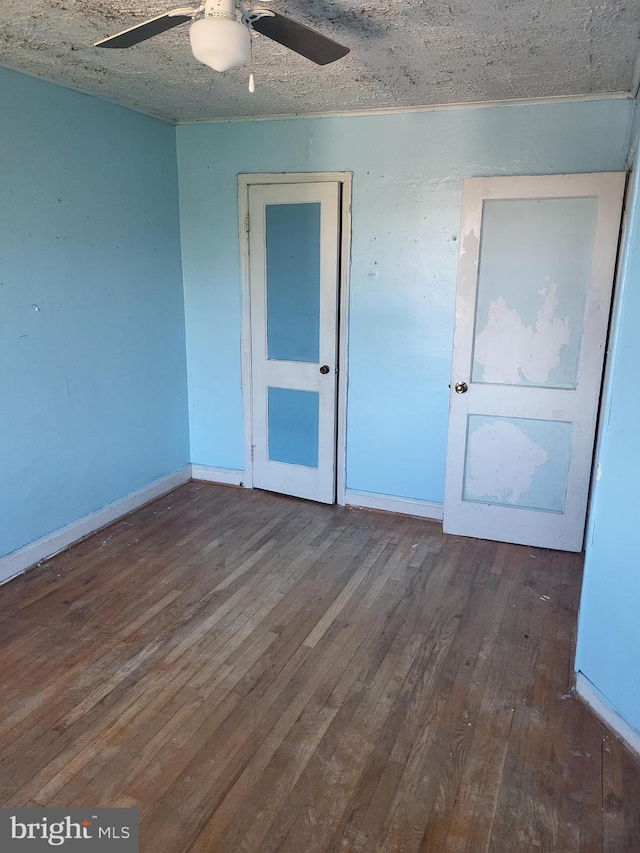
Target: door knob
324,369
460,387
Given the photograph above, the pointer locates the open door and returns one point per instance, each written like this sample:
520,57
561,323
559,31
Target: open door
535,276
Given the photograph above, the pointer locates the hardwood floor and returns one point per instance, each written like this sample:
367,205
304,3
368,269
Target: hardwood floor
257,674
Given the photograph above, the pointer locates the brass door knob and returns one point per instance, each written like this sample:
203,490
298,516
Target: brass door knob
460,387
324,369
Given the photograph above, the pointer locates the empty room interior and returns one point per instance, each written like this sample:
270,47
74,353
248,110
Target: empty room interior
319,445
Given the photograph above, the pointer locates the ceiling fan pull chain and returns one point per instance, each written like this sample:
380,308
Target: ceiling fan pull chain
252,83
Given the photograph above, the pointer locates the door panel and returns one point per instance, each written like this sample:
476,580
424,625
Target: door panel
293,426
503,456
294,267
527,327
535,275
293,281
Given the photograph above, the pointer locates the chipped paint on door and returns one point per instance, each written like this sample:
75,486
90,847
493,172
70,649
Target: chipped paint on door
534,285
534,272
534,350
518,462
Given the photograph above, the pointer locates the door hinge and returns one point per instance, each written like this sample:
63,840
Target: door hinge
246,223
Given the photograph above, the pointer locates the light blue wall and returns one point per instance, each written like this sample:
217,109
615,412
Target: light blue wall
408,171
92,363
608,651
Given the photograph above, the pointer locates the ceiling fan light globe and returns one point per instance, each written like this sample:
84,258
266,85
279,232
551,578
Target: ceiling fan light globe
220,43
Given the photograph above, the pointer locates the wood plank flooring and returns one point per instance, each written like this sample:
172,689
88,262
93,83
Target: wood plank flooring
258,674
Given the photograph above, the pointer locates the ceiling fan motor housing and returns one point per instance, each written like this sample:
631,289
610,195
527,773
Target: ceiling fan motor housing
220,43
219,40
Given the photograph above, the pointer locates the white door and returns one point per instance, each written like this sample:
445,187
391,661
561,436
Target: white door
294,244
535,274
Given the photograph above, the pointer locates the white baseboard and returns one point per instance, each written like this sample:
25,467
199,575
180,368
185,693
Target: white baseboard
210,474
592,697
389,503
24,558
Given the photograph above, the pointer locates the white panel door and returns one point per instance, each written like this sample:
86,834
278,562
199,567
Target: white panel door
535,275
294,273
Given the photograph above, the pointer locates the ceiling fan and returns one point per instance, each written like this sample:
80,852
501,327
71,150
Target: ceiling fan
221,41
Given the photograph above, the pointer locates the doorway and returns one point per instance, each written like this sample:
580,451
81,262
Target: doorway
295,254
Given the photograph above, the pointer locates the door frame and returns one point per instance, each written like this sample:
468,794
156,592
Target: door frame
246,180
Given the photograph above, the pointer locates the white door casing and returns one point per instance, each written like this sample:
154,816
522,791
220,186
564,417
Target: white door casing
535,275
284,382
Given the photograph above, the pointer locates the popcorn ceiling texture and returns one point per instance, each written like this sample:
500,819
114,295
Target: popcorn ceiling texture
403,54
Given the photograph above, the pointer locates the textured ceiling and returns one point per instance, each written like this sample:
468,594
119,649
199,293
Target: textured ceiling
403,53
